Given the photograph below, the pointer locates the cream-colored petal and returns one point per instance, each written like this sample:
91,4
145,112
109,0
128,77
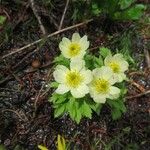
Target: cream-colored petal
106,73
103,72
118,56
59,73
80,92
83,39
119,77
114,92
99,99
62,88
62,46
76,37
107,60
66,41
77,64
85,45
113,80
64,51
95,73
124,66
87,75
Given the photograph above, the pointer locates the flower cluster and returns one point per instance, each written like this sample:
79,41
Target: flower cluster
79,80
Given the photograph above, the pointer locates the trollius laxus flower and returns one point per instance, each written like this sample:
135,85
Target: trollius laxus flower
118,65
74,48
74,79
101,86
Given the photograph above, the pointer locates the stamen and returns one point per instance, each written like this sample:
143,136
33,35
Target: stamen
73,79
74,49
101,86
115,67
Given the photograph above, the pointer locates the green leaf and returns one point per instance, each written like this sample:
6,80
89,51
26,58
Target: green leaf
125,3
78,117
2,19
94,106
59,111
133,13
61,60
53,84
72,108
104,51
2,147
93,62
116,113
58,98
98,62
86,110
95,9
89,61
117,108
53,98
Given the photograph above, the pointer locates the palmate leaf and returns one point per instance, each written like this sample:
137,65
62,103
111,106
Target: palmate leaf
59,110
117,108
58,98
104,52
71,107
94,106
61,60
93,62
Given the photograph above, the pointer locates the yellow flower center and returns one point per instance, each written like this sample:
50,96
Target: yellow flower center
101,86
73,79
74,49
115,67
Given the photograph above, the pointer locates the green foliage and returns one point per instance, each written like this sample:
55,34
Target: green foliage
113,9
2,19
93,61
133,13
95,10
117,106
104,51
76,108
125,46
2,147
125,3
61,60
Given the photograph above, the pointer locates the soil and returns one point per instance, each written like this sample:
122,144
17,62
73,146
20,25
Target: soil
26,116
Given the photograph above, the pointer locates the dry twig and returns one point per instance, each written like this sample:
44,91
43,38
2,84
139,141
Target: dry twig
63,16
138,95
138,86
48,36
37,17
17,114
40,93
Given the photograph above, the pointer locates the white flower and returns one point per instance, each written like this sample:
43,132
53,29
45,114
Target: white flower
74,79
101,85
118,65
74,48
